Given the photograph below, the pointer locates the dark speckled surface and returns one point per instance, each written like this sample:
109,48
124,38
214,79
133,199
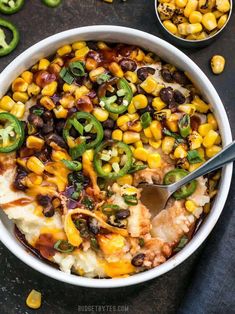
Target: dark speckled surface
161,295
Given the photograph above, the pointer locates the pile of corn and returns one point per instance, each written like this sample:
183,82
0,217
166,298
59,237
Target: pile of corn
193,19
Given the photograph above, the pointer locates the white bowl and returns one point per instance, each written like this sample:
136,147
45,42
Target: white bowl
172,55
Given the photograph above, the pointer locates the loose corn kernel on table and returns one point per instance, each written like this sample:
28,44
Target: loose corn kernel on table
164,294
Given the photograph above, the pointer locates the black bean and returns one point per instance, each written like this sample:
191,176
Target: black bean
48,211
127,64
167,75
20,175
123,214
92,45
35,120
93,225
143,72
180,78
140,89
71,111
47,115
167,95
60,126
109,124
138,260
54,138
46,202
113,221
44,155
149,109
179,97
48,127
107,134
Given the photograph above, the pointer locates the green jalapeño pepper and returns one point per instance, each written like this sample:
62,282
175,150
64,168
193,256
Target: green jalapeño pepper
52,3
10,6
123,91
86,128
184,125
11,133
6,48
176,175
118,171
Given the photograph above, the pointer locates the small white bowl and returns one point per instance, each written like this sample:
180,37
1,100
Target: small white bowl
172,55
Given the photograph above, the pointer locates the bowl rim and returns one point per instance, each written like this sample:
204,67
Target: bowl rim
14,246
191,40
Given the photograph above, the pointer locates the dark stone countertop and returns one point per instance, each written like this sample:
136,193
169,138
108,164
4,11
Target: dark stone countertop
161,295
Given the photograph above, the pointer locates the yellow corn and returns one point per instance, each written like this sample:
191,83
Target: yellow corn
154,161
126,179
217,14
100,114
166,11
195,17
158,104
49,89
180,152
27,76
200,105
47,102
34,142
182,28
190,206
59,61
211,120
58,155
193,167
95,73
67,101
130,137
131,108
33,89
223,5
107,168
172,125
35,179
34,299
136,126
157,89
115,69
156,129
212,151
20,96
66,49
18,110
60,112
170,26
19,85
69,88
155,144
209,21
217,64
206,6
193,28
81,53
140,55
222,21
168,144
102,46
123,120
210,138
140,101
81,91
190,7
35,165
78,45
148,58
148,133
141,154
218,140
149,85
91,64
43,64
202,35
6,103
204,129
181,3
139,144
187,108
195,140
131,76
117,135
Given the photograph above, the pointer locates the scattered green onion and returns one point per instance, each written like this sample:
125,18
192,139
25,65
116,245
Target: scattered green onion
77,151
88,203
194,157
38,111
176,136
72,165
130,200
110,209
145,120
102,78
63,246
183,241
135,168
77,68
141,242
94,244
77,125
66,76
184,125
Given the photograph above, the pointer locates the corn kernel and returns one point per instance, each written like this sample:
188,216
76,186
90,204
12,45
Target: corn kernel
100,114
49,89
131,76
149,85
43,64
193,28
156,129
148,133
135,126
223,5
140,101
27,76
206,6
209,21
193,167
34,299
181,3
91,64
115,69
126,179
6,103
140,55
138,144
195,17
20,96
60,112
78,45
35,165
217,14
95,73
141,154
203,129
158,104
34,142
222,21
180,152
168,144
212,151
19,85
35,179
33,89
155,144
200,105
122,120
18,110
182,28
58,155
47,102
102,46
154,161
131,108
195,140
130,137
64,50
211,120
117,135
187,108
190,206
81,53
107,168
217,64
210,138
170,26
190,7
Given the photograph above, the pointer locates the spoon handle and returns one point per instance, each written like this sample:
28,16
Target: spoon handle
225,156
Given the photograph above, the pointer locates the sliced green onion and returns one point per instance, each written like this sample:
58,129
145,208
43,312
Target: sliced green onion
130,200
78,126
72,165
110,209
38,111
94,243
141,242
135,168
176,136
145,120
77,68
66,76
183,241
63,246
102,78
77,151
88,203
194,157
184,125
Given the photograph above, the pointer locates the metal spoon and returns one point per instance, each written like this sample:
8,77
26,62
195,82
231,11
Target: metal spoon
155,196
